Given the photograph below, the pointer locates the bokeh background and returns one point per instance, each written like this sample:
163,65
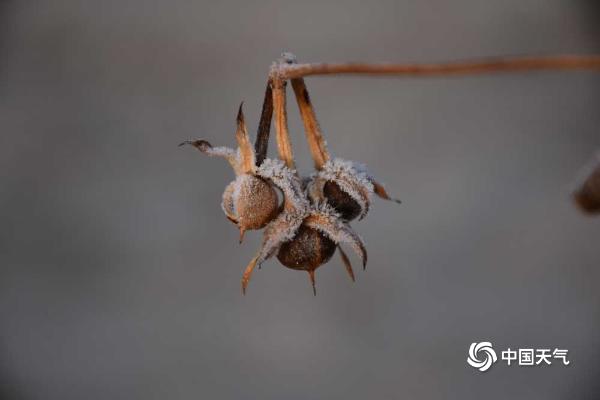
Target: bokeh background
120,276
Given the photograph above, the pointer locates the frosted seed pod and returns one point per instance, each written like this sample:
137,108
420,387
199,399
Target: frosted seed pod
249,201
346,186
307,251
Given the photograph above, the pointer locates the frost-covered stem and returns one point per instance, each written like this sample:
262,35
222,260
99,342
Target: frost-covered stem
467,67
283,137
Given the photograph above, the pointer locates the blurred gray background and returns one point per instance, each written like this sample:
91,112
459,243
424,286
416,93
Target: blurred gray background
120,276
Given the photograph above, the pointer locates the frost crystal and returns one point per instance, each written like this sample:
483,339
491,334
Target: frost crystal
350,170
282,229
327,222
227,203
285,179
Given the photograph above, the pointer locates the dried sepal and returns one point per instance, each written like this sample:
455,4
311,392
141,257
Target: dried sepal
380,191
248,273
347,263
284,145
246,151
282,229
287,181
311,276
261,144
220,151
314,137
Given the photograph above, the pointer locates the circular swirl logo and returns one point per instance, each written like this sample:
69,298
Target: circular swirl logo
481,356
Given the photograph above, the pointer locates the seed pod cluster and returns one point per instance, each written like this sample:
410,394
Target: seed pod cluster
306,229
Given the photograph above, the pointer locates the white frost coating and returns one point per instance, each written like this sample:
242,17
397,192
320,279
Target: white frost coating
232,194
282,229
351,177
237,188
227,202
232,156
326,210
221,151
314,188
338,166
285,179
338,231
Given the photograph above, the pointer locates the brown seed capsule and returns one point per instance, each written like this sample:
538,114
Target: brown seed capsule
341,201
345,186
307,251
250,202
587,195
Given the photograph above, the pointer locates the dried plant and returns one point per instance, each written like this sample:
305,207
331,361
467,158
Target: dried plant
587,192
312,221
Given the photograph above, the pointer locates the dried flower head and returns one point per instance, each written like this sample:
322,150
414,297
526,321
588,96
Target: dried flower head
304,236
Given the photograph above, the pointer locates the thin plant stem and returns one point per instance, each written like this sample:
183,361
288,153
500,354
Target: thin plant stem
466,67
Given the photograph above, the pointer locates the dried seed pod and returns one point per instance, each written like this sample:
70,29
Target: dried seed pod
587,194
346,186
307,251
249,201
304,235
342,201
